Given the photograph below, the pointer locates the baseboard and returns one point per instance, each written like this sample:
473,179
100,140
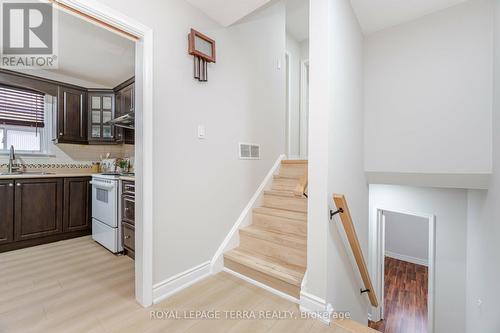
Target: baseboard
261,285
180,281
231,240
316,306
409,259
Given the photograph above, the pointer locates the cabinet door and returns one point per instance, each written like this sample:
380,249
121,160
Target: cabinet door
127,106
101,109
38,208
72,116
77,204
6,211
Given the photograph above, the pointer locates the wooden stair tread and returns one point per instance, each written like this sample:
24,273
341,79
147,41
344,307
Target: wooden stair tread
274,236
287,194
283,213
294,161
282,271
297,178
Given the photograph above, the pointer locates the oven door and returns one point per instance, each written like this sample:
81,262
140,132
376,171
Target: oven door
104,201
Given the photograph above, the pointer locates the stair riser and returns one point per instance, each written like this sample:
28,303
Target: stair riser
289,203
292,170
270,281
275,223
284,184
280,252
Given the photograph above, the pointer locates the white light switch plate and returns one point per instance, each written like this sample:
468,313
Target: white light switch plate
202,132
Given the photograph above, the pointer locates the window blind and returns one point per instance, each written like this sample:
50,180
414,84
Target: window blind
21,107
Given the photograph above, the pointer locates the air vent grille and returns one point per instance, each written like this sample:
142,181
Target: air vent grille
249,151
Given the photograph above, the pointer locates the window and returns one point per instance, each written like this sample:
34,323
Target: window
22,120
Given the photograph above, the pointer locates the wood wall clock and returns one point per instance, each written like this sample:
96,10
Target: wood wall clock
202,48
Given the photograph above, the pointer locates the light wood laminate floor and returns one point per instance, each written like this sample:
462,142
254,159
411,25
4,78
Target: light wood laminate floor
78,286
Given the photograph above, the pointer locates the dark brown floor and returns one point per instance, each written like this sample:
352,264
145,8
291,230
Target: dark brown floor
405,298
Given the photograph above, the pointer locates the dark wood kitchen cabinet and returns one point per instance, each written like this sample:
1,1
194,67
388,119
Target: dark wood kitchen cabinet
71,120
125,103
6,211
38,208
101,109
77,204
43,210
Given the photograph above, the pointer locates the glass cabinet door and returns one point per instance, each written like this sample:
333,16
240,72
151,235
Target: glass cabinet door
101,111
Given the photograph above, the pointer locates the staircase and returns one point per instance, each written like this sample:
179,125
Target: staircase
273,249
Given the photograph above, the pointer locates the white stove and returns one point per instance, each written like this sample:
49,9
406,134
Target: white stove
106,229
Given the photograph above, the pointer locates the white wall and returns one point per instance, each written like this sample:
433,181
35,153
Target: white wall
200,187
483,229
335,152
294,50
346,168
449,206
407,237
428,92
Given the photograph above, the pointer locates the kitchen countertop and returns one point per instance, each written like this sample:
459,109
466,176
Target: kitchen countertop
62,174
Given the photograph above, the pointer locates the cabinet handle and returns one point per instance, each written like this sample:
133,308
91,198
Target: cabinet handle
11,185
127,237
61,133
126,209
18,184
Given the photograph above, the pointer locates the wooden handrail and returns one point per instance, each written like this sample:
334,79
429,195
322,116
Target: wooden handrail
345,217
300,189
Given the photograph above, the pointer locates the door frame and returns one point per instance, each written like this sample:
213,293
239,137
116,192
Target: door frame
304,106
379,270
143,134
288,99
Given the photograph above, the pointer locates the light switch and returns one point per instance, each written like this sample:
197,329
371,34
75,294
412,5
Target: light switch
202,132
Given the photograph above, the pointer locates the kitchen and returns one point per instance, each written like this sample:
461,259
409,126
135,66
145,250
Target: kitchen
67,154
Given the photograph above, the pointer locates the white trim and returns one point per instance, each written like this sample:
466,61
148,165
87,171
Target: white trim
232,240
288,121
144,138
316,306
261,285
180,281
304,109
377,261
402,257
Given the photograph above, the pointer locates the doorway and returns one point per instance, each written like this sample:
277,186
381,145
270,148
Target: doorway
405,261
297,78
143,36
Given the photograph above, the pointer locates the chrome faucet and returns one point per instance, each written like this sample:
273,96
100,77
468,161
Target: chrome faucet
12,159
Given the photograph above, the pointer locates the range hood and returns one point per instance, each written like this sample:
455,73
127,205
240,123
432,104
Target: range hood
125,121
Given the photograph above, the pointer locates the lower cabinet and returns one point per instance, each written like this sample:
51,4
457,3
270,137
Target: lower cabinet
77,212
6,211
38,211
39,208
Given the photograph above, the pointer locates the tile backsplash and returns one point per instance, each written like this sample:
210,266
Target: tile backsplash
71,156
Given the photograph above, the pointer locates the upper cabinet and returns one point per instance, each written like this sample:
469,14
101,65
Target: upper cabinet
101,109
125,103
71,116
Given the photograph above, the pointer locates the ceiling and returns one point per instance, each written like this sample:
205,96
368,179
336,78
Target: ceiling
375,15
227,12
90,55
297,19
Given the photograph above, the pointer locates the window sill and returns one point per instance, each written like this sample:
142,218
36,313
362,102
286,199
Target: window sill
27,154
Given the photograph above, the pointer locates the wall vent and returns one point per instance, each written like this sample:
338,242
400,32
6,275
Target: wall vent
249,151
